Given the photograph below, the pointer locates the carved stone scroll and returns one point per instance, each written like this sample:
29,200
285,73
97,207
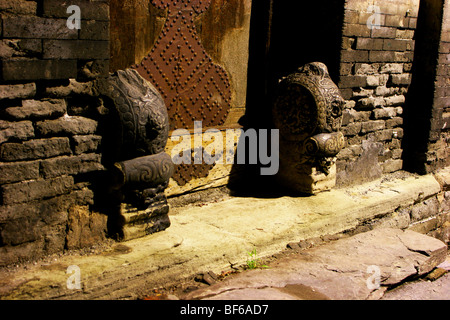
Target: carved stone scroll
308,113
135,137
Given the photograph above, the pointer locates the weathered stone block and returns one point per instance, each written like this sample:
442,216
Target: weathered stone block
395,100
17,91
94,30
67,126
371,126
352,81
394,122
22,130
403,56
354,56
29,69
76,49
356,30
424,210
91,10
85,228
363,169
84,144
366,68
35,149
373,81
404,34
37,28
382,91
382,56
18,6
384,32
18,171
383,135
73,88
71,165
35,189
392,165
384,113
371,103
403,79
34,109
369,44
395,45
94,69
396,68
21,230
352,129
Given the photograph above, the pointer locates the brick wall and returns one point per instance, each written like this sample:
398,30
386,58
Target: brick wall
49,126
438,154
375,73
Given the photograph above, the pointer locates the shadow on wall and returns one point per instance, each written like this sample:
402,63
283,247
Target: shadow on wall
284,35
419,107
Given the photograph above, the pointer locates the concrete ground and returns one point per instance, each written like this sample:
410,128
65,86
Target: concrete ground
214,237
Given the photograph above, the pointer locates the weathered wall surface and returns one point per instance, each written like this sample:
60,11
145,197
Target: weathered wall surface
49,130
376,62
438,151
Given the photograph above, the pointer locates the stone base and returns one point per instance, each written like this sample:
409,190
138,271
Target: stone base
307,179
132,223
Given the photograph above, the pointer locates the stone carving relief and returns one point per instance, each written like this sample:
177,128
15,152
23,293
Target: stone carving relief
308,113
135,136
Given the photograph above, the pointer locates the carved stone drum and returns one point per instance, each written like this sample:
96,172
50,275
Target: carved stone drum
135,136
308,113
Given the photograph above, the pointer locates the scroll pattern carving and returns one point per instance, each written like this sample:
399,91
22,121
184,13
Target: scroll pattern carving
308,112
135,137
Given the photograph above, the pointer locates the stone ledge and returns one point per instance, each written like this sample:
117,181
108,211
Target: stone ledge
229,229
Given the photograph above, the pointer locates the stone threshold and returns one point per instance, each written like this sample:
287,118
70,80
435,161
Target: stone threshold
214,237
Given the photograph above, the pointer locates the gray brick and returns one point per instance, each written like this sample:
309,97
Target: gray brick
384,32
403,79
395,45
18,6
94,30
371,126
17,91
354,56
369,44
71,165
34,109
352,81
33,27
35,149
76,49
67,126
35,189
382,56
83,144
91,10
18,171
27,69
22,130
